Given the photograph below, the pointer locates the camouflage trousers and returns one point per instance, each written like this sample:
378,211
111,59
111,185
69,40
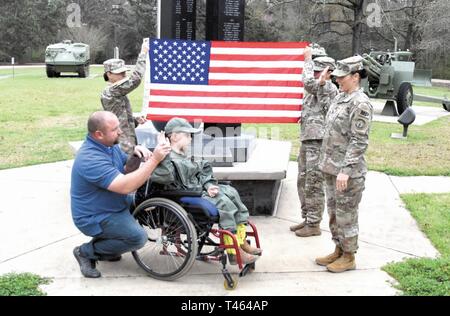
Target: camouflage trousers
127,140
232,211
343,212
310,183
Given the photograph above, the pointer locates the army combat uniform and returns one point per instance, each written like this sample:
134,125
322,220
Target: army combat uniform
114,99
345,142
310,179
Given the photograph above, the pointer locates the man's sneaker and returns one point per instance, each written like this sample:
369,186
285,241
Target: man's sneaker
87,266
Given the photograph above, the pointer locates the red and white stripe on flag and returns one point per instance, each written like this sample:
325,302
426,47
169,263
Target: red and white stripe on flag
225,82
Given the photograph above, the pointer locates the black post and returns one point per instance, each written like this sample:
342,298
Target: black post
116,11
405,130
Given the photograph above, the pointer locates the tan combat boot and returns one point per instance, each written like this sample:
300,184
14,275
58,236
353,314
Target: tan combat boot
344,263
242,239
247,258
324,261
308,231
251,250
297,227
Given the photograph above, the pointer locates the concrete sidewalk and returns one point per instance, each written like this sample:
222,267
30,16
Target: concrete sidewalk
38,236
424,114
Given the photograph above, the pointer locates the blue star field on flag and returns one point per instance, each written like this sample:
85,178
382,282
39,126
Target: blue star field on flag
179,62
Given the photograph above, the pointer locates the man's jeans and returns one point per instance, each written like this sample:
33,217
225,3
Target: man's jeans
121,233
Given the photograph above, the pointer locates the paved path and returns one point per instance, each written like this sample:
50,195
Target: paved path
440,83
424,114
38,236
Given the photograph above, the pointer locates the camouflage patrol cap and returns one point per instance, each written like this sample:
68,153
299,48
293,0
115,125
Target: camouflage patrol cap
347,66
115,66
320,63
180,125
317,50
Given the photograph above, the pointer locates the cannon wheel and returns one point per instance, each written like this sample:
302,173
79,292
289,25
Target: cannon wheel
446,105
405,97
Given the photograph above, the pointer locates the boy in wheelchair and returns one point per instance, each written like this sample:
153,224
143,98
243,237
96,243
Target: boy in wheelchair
179,172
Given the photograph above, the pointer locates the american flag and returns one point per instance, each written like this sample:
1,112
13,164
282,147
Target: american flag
224,82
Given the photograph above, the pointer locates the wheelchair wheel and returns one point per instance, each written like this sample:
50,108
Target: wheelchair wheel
230,285
172,240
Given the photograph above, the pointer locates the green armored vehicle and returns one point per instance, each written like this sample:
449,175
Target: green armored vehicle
67,57
390,76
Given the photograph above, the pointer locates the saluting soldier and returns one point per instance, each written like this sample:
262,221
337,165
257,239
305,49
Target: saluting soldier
310,183
342,160
114,98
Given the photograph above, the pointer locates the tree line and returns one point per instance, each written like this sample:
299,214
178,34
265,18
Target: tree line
343,27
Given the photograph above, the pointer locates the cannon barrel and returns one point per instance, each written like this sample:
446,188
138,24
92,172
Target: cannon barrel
373,76
371,60
373,67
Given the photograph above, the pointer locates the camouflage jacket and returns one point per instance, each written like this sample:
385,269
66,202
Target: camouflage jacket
179,172
315,104
347,135
114,99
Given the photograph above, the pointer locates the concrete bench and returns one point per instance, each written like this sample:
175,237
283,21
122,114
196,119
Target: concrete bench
258,180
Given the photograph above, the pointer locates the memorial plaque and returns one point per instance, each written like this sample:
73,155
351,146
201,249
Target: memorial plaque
178,19
225,20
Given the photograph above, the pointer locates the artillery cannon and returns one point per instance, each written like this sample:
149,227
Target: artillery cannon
390,76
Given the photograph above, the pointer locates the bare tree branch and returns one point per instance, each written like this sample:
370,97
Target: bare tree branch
347,22
335,32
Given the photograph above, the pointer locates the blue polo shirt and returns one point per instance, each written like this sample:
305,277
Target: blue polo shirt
94,169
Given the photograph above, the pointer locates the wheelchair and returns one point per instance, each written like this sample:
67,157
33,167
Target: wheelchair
182,228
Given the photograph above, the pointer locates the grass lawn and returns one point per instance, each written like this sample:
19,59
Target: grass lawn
24,284
427,276
40,116
425,152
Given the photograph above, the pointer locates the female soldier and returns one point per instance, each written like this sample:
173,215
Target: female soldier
342,161
114,97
